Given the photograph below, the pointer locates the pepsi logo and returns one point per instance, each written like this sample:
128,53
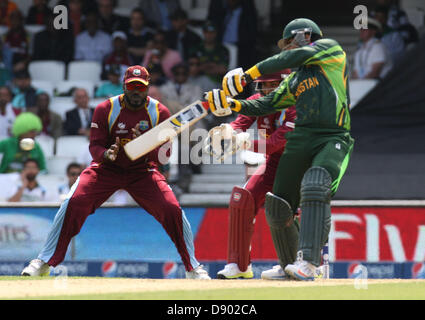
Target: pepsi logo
109,268
353,270
237,196
169,270
418,270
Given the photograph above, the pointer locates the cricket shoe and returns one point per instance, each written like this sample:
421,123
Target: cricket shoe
275,273
35,268
198,273
231,271
301,270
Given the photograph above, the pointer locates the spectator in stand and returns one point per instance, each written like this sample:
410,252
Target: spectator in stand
75,15
398,20
38,12
17,40
119,54
158,78
138,36
181,38
6,8
73,171
7,113
6,58
26,125
236,22
159,12
371,60
29,190
113,86
24,93
51,121
78,120
92,44
86,5
196,76
5,65
179,93
53,44
391,38
109,21
161,54
214,57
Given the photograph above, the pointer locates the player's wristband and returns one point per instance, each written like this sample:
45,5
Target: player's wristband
236,105
253,73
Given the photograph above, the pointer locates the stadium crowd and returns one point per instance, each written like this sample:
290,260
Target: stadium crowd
185,58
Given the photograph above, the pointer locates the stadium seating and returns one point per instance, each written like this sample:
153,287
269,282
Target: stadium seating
56,165
197,14
66,85
84,70
32,29
49,70
359,88
44,85
126,4
70,146
23,5
51,182
47,144
61,105
123,11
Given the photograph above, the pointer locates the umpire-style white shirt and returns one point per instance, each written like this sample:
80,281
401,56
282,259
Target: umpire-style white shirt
92,48
6,121
371,52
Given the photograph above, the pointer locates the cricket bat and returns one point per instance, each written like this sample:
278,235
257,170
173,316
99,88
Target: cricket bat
166,130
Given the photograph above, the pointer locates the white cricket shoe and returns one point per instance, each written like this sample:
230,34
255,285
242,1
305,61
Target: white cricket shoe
275,273
198,273
231,271
301,270
35,268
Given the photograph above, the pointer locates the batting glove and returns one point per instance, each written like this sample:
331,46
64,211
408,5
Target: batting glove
219,104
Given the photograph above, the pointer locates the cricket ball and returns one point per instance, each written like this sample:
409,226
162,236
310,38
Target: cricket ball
27,144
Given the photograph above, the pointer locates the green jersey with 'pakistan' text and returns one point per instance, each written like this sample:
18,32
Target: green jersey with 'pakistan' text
318,88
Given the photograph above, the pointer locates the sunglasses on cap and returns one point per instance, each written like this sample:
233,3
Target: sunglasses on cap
137,86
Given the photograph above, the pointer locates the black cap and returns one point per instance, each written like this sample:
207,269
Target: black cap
22,74
114,69
209,26
181,65
178,14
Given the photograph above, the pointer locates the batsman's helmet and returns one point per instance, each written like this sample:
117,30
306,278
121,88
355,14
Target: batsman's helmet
299,25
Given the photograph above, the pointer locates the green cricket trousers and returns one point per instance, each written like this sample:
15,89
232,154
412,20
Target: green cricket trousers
317,149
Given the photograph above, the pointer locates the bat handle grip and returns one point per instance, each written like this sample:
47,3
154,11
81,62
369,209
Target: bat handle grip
205,105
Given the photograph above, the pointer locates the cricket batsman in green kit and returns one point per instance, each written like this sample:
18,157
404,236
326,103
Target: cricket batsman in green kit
317,150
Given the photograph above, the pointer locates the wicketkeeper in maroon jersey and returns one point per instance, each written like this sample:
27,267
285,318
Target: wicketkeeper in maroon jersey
115,122
246,202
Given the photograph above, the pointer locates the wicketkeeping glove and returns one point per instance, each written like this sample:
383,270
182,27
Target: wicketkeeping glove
223,141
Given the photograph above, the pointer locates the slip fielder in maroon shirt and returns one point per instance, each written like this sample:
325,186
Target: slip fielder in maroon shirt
112,126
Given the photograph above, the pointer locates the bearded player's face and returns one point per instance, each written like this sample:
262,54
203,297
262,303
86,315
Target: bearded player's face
136,94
